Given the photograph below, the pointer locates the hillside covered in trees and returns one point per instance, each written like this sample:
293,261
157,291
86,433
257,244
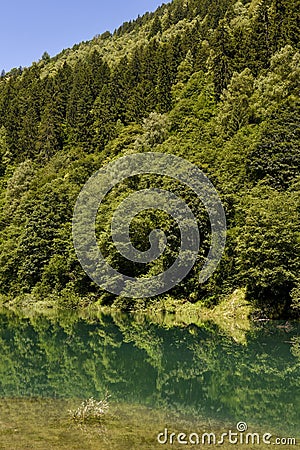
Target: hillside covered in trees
216,82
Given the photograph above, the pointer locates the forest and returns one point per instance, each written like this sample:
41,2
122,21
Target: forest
215,82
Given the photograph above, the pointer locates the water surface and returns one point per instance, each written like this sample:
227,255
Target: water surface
189,378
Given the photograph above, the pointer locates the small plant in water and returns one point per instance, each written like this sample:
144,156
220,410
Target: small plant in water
90,410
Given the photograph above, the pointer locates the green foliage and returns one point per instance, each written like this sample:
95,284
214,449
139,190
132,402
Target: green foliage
269,248
235,111
276,156
155,131
295,294
216,82
155,27
46,57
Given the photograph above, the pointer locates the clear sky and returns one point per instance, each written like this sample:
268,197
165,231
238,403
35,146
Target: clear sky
30,27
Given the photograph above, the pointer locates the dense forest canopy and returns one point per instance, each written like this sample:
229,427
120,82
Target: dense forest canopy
216,82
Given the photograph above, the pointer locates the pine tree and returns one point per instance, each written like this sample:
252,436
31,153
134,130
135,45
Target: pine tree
223,52
164,80
261,45
155,27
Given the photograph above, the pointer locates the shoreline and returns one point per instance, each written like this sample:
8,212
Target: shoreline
232,315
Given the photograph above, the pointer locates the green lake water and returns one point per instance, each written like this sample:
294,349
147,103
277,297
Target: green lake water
190,379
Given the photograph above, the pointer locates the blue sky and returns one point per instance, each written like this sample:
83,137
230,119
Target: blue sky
28,28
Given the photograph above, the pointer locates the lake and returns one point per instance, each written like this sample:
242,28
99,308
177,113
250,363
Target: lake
162,379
